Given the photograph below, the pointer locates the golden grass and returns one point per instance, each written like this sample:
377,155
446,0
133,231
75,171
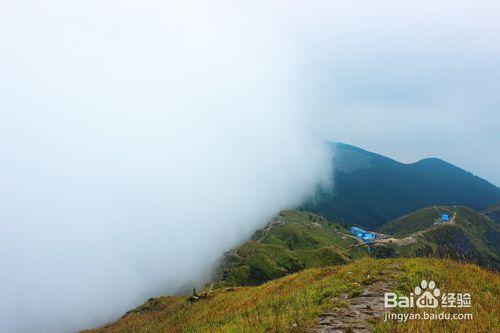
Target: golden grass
483,285
293,303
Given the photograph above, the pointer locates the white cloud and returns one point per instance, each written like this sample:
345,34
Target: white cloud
140,140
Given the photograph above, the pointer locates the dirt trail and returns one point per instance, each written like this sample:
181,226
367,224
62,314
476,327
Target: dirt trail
411,238
356,315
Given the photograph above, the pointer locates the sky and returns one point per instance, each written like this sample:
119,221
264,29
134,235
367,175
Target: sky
408,80
141,139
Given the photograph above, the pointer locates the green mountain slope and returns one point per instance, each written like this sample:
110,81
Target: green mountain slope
468,236
415,221
371,189
295,240
291,242
303,272
299,302
493,212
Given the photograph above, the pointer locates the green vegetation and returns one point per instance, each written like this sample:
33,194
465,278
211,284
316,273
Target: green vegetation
493,212
293,303
415,221
295,269
371,189
292,241
473,238
468,237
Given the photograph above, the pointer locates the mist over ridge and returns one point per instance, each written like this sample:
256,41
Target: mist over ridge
140,141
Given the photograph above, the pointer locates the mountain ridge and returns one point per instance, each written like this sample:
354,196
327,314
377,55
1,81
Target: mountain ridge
307,301
371,189
298,240
307,271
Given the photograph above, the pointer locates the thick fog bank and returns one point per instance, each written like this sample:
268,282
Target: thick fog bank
138,141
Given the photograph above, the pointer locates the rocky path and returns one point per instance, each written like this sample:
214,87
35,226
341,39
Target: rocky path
356,315
276,221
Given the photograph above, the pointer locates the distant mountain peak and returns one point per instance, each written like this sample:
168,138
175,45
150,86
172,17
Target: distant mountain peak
371,189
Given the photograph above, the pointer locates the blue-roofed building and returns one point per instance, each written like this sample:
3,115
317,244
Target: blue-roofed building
361,234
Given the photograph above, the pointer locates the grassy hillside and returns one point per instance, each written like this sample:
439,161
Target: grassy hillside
469,236
292,241
303,272
415,221
371,189
493,212
295,302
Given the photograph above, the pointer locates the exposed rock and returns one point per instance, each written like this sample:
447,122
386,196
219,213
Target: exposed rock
356,314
